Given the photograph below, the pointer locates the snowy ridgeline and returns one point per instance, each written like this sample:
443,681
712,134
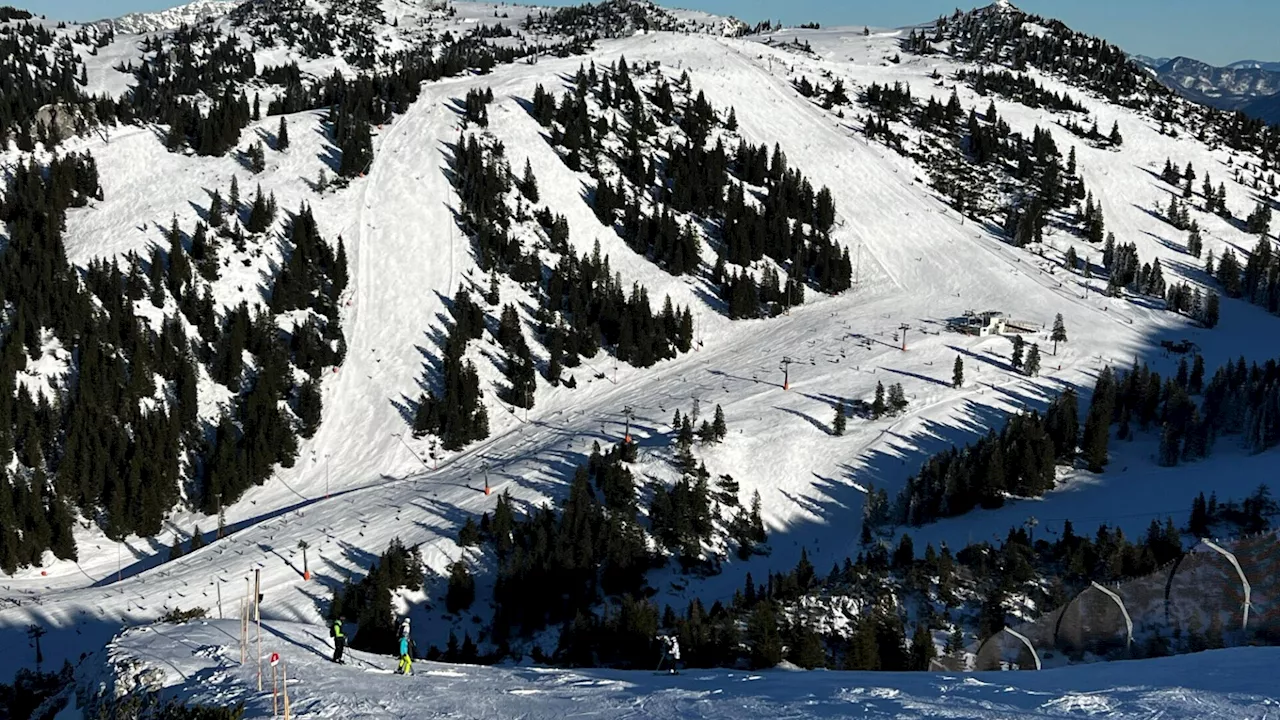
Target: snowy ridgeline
199,663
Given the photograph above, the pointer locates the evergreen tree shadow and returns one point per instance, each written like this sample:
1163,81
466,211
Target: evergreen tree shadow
903,454
357,556
201,212
457,105
1153,213
1159,183
917,376
1171,245
821,426
407,407
703,291
1193,272
994,361
524,103
329,154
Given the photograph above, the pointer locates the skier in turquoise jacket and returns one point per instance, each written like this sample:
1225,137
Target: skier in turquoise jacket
406,660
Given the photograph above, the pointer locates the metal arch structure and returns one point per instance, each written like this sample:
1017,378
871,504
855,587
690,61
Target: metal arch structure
1025,641
1244,581
1128,622
1168,586
1124,611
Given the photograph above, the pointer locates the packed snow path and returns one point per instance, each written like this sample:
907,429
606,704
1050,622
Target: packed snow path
200,663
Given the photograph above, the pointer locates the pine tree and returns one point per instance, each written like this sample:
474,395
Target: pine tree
1116,138
257,157
805,648
922,650
309,407
175,550
282,135
1018,345
1211,310
957,373
877,405
838,424
1059,332
1195,242
461,592
216,218
529,185
1033,361
763,637
718,426
197,539
1169,446
1195,382
1097,427
897,398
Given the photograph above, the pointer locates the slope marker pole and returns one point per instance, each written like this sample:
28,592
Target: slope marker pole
257,614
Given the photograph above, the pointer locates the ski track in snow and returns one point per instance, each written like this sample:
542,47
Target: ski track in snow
920,264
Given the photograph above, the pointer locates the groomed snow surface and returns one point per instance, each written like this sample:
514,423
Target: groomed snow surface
200,663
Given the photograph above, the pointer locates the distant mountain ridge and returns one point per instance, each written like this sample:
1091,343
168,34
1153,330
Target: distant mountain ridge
1255,64
1250,86
170,19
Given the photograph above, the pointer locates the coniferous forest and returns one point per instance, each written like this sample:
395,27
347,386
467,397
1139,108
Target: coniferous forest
664,172
583,307
117,446
104,445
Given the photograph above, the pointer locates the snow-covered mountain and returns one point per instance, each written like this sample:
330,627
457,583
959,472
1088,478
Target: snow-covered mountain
1153,63
356,282
1255,64
170,19
1233,87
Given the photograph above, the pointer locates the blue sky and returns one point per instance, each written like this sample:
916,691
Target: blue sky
1216,31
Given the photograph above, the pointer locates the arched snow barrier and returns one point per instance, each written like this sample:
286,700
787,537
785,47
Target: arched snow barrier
1244,581
1092,622
1128,621
1034,655
993,653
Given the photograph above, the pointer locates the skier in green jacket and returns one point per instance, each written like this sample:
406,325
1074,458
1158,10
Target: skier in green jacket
339,640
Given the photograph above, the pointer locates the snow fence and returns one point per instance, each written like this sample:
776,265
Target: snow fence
1216,594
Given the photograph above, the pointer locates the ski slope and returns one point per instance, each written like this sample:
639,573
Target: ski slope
363,480
200,663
